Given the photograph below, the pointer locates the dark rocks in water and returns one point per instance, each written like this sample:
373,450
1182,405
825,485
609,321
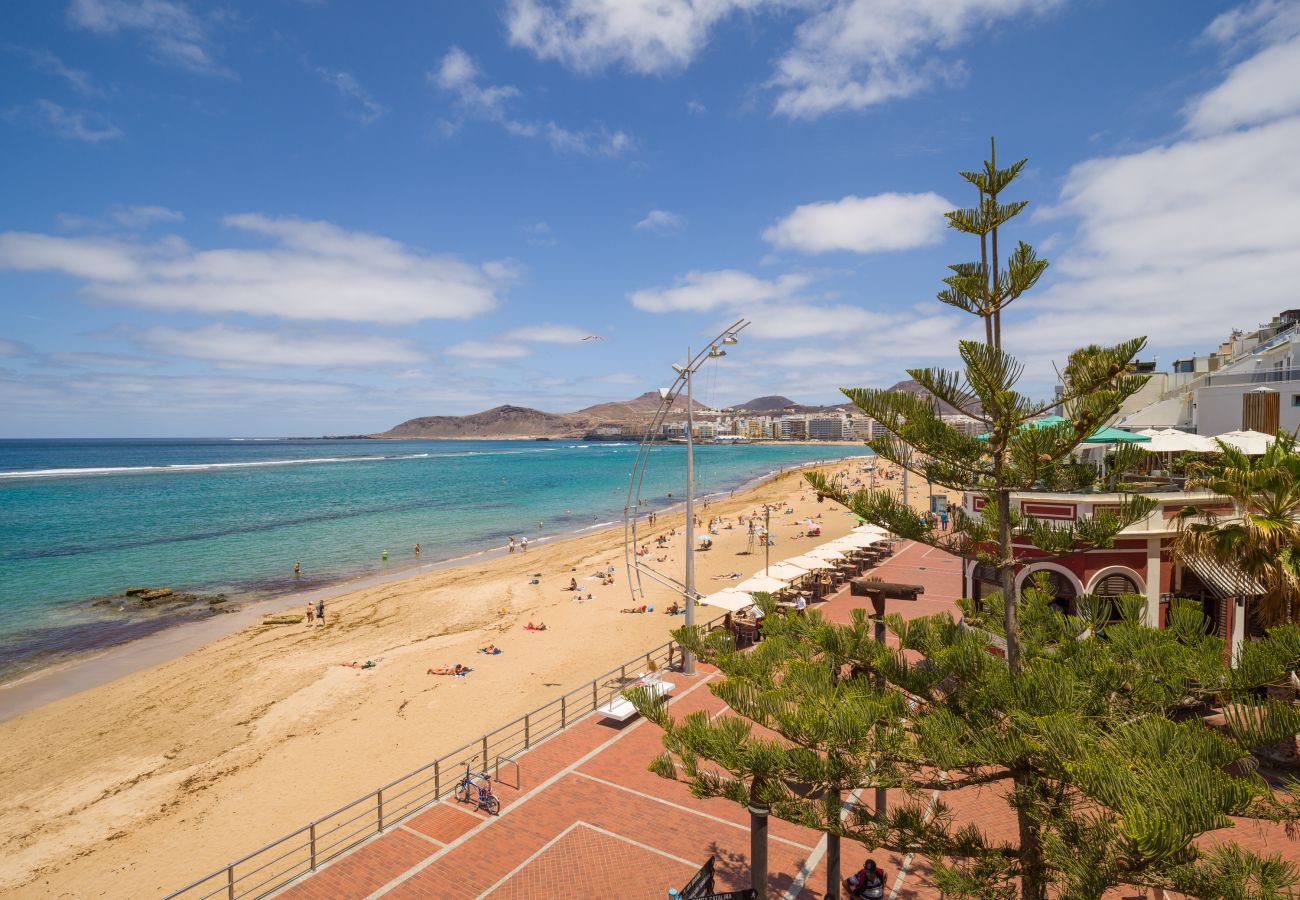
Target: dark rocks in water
157,598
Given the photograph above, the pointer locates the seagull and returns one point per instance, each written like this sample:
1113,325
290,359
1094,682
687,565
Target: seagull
592,337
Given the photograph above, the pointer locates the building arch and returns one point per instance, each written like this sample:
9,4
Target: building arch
1095,584
1050,567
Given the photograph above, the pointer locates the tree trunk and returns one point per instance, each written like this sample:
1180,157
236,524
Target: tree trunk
833,863
1007,575
758,814
1033,865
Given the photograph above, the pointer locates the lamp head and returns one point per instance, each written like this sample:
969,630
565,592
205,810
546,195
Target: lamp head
680,370
715,353
729,339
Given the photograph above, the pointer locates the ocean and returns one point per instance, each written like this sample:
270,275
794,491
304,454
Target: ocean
81,521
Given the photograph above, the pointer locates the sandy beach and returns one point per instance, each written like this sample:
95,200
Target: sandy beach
138,786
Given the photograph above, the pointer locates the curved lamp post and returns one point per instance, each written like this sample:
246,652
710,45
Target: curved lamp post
632,509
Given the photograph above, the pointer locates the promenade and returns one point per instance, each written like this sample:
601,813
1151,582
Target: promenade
585,819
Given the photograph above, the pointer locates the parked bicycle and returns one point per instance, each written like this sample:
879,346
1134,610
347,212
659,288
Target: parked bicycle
478,792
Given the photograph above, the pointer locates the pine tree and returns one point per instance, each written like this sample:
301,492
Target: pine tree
1107,783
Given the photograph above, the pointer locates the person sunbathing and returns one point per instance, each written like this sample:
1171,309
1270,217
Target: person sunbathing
490,649
573,584
674,608
368,664
457,669
531,627
634,609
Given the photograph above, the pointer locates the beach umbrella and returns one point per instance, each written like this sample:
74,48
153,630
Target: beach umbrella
870,529
1100,436
1251,443
809,562
785,570
730,599
827,553
1170,440
855,541
762,583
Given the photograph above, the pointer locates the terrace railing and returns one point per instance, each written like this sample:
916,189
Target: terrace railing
272,867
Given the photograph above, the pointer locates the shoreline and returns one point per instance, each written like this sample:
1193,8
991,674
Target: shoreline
81,671
139,785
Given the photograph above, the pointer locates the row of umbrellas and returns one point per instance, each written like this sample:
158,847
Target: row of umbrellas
1166,440
778,576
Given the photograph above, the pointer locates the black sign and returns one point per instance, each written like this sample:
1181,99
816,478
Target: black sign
701,885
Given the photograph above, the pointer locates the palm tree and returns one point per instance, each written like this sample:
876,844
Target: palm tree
1261,539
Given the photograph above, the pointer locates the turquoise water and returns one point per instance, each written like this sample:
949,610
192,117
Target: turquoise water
82,518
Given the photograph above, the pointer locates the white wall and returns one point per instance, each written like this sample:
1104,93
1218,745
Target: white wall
1218,409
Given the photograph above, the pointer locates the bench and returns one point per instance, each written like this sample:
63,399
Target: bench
621,709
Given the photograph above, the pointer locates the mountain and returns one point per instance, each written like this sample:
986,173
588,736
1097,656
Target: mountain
520,421
499,422
775,405
912,387
638,409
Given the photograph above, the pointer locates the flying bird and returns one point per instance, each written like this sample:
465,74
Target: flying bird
592,337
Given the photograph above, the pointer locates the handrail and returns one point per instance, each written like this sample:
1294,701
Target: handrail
533,727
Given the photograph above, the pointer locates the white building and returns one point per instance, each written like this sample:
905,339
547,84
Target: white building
794,428
829,428
1208,395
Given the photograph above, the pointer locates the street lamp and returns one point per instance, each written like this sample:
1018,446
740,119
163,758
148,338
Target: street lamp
683,383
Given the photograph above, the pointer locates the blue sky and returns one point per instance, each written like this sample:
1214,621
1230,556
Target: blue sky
293,217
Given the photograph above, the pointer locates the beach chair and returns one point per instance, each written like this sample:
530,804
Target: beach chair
621,709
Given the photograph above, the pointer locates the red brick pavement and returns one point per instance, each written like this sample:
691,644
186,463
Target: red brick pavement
588,820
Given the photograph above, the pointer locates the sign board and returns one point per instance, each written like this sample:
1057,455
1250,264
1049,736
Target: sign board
938,503
701,885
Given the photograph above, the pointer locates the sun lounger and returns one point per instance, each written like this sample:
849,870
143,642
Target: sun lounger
621,709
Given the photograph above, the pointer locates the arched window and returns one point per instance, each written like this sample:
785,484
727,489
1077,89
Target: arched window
1063,592
1115,584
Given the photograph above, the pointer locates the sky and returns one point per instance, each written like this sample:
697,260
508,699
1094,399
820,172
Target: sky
299,218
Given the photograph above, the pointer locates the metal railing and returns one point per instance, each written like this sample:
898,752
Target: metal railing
275,865
1259,376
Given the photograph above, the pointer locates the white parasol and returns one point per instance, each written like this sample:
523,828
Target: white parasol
1251,443
730,599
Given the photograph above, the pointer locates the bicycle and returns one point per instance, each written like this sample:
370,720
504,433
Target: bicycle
481,795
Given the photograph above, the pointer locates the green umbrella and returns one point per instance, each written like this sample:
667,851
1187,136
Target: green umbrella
1101,436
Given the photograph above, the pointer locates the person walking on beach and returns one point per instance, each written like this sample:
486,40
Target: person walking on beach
511,548
523,543
320,610
311,614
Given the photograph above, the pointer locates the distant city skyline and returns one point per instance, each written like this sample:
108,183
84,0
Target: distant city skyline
238,219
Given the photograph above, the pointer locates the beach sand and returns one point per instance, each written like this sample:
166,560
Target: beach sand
141,785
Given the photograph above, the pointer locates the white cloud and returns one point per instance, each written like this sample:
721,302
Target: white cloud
546,334
76,124
705,291
539,234
359,103
144,216
458,75
1266,20
697,108
662,221
100,360
45,61
312,270
174,34
863,224
847,54
647,36
1180,242
488,350
1261,89
250,347
858,53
